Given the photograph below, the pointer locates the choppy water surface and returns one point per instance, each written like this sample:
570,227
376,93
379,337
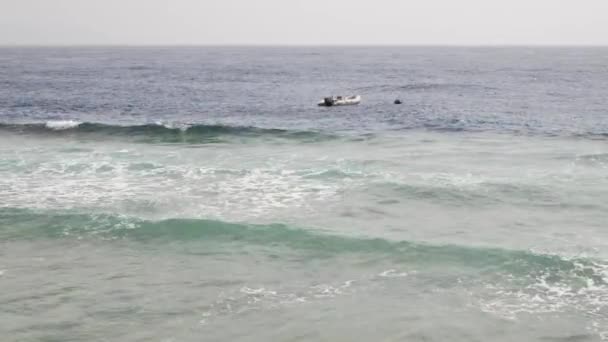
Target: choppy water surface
188,194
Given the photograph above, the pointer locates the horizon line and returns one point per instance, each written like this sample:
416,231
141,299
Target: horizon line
256,45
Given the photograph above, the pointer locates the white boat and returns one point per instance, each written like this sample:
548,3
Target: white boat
340,101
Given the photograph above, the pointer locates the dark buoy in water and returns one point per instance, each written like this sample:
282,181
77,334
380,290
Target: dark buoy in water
397,101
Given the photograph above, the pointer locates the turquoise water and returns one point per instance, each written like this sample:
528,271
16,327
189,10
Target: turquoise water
138,240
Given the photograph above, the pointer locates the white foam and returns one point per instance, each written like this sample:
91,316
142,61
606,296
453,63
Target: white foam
576,292
173,125
600,329
259,291
347,283
326,291
62,124
183,190
2,272
260,298
392,274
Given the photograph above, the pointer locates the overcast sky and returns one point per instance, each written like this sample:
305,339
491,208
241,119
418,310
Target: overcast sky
293,22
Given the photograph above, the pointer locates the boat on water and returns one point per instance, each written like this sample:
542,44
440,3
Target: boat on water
340,101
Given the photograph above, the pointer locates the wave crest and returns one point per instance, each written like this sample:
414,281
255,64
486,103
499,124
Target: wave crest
20,224
160,133
61,124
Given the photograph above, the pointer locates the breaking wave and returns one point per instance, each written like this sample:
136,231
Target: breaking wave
161,133
28,224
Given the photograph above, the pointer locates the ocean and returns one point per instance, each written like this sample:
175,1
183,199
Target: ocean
200,194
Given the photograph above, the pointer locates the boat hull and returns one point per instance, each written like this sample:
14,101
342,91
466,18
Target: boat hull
348,101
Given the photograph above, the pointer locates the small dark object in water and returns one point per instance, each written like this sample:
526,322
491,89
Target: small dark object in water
397,101
329,101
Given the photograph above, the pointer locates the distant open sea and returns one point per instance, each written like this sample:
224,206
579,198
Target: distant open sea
200,194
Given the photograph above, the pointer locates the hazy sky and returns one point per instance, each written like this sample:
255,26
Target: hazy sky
317,22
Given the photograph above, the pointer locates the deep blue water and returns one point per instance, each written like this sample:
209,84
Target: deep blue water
528,90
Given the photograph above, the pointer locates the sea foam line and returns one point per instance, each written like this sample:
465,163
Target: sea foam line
62,124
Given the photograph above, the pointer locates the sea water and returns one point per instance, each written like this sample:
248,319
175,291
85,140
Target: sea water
200,194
